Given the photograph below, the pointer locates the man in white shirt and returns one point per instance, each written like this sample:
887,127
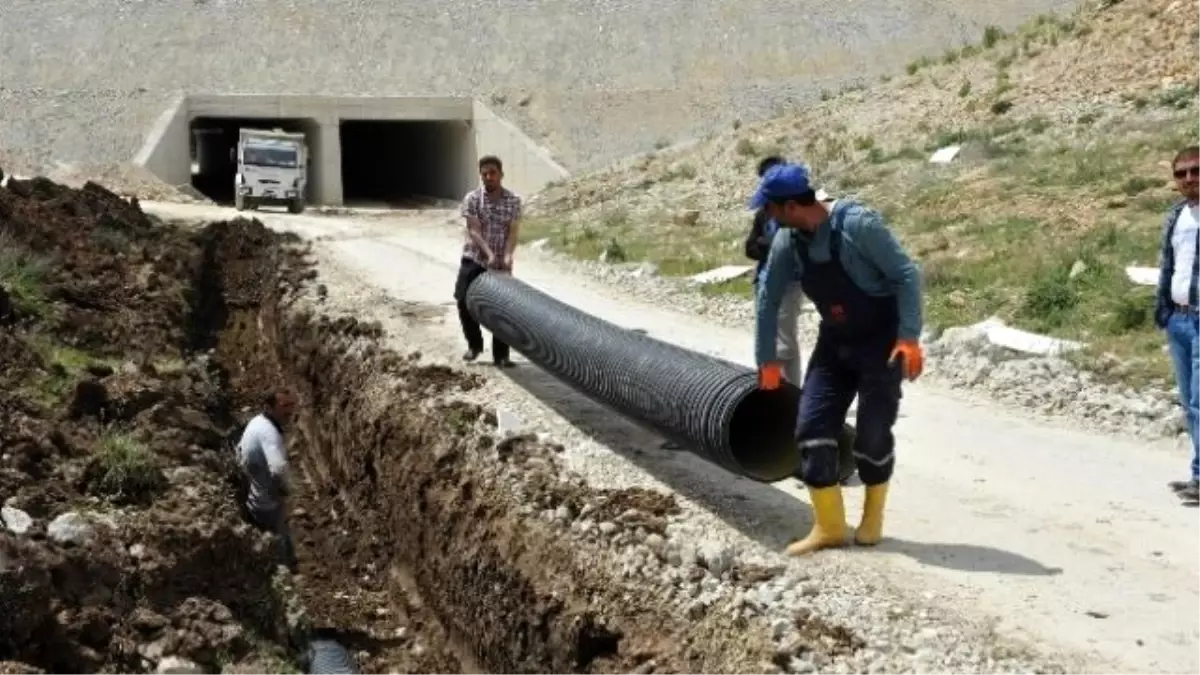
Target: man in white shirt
262,456
1176,303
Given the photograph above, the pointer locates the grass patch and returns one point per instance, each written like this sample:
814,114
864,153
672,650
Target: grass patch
23,275
63,366
124,469
741,287
616,237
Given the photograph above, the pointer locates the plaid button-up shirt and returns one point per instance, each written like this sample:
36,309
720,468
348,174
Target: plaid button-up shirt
496,215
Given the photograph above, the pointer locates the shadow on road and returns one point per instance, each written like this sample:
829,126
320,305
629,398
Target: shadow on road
968,558
774,520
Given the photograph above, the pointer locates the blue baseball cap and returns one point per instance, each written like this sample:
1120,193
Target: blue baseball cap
779,182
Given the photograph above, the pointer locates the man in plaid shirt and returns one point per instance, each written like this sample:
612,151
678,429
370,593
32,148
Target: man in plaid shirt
493,215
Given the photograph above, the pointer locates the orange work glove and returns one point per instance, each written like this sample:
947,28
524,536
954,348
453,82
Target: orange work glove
912,358
770,376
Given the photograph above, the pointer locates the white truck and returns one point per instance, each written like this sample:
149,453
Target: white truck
272,169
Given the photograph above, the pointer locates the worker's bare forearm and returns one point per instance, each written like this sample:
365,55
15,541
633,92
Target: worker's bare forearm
514,234
475,234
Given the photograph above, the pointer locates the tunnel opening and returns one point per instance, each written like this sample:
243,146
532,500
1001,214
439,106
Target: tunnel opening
212,145
406,164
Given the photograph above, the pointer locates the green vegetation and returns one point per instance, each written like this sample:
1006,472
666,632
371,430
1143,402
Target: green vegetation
22,274
63,366
124,467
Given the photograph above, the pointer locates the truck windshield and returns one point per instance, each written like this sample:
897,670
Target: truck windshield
259,156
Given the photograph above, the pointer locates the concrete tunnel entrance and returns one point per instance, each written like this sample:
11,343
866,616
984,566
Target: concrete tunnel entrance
213,141
390,151
405,163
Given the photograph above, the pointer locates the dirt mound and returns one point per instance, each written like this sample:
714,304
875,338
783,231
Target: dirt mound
97,268
120,544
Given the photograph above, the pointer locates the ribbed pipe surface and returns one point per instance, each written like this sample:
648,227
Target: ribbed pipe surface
711,406
328,657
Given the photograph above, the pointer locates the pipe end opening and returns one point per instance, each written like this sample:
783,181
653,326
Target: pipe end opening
762,433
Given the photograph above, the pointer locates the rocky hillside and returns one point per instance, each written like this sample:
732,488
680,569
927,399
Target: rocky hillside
83,81
1067,127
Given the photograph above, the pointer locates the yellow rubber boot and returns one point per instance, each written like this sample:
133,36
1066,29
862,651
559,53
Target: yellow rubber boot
870,529
829,522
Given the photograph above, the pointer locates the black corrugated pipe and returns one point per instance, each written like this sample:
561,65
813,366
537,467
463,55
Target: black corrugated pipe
329,657
707,404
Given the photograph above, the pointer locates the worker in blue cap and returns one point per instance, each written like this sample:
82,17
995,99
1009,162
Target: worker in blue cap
867,291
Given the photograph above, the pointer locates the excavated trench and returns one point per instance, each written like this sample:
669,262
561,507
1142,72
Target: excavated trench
419,551
416,529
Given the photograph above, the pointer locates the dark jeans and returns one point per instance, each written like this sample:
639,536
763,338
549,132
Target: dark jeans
468,272
276,522
836,373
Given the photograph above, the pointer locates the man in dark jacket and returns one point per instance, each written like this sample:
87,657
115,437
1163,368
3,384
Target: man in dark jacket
758,243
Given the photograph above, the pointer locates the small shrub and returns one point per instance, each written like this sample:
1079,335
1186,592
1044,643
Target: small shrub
610,218
23,274
614,252
745,147
1178,97
1131,313
124,470
992,35
1136,185
1050,297
1001,106
965,89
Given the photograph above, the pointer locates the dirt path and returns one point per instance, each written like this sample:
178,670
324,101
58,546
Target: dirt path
1063,537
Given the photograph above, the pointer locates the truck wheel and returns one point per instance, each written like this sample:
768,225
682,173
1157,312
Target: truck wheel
239,202
296,206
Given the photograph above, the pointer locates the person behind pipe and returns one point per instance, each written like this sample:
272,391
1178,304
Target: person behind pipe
493,215
263,459
867,291
758,243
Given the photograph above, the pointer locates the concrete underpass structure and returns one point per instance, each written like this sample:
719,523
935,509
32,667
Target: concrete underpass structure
386,150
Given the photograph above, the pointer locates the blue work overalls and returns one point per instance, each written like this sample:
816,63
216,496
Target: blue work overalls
854,342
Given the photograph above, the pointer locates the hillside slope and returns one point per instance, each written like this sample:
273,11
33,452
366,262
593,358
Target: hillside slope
82,81
1067,127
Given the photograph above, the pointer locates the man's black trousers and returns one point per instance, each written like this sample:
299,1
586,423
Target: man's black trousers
467,272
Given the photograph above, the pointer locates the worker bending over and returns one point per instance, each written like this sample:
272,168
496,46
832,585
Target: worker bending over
868,293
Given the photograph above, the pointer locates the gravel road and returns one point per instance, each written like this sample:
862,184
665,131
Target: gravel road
83,80
1002,529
